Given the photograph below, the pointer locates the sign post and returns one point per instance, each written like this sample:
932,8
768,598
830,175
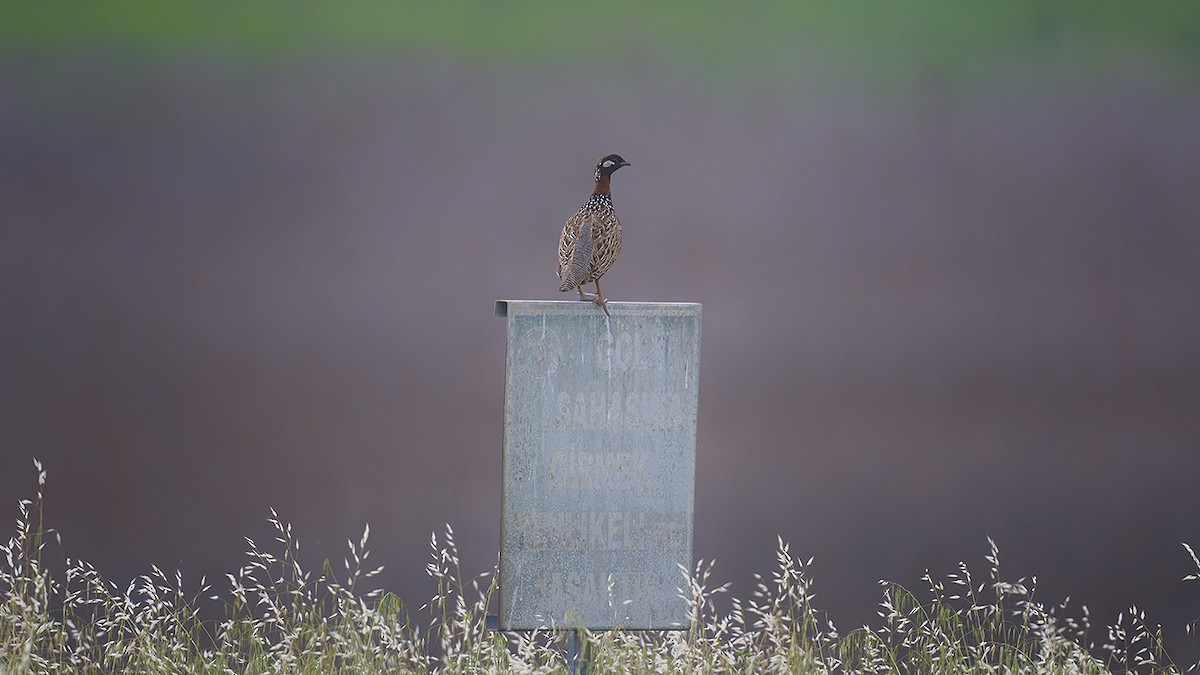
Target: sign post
599,464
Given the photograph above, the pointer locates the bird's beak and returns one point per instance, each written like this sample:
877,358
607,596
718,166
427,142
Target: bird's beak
626,164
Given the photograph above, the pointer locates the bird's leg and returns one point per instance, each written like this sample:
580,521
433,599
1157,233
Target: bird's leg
586,297
599,299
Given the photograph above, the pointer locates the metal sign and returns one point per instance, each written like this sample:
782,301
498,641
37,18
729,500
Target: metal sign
599,464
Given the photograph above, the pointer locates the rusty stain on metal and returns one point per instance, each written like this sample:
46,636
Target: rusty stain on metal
599,464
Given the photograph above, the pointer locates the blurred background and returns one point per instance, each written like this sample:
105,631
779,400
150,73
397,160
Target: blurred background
949,256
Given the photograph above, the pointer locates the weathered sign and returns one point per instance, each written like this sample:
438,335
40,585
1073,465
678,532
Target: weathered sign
599,464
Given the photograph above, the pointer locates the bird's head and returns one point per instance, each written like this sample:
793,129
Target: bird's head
608,164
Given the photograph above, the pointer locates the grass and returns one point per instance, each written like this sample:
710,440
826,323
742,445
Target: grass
279,618
909,41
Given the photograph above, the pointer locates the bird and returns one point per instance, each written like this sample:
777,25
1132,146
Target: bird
591,239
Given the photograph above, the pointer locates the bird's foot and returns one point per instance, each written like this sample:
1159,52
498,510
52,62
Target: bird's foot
599,299
586,297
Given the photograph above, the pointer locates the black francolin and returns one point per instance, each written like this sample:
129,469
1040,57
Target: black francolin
591,239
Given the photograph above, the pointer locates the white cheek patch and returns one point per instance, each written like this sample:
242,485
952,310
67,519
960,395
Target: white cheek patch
608,163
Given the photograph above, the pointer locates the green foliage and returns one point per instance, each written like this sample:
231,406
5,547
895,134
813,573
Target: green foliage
281,619
768,40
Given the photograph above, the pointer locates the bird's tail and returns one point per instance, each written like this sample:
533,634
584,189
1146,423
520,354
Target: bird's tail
581,258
